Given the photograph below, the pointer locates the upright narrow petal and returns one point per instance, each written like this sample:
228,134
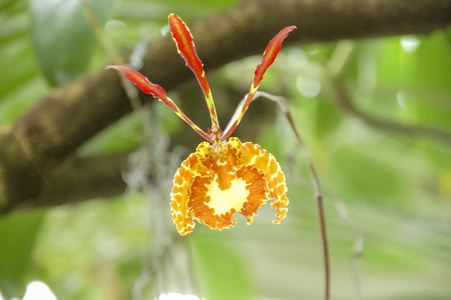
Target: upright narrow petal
185,46
269,56
157,91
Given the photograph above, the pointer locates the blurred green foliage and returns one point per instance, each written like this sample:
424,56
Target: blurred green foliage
396,188
63,39
18,235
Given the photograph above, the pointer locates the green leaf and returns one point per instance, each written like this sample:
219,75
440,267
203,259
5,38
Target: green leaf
222,275
361,173
328,118
433,57
63,38
18,234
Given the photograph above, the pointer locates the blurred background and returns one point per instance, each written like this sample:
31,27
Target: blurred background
387,186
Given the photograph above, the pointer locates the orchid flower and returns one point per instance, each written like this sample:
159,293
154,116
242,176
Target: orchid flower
223,175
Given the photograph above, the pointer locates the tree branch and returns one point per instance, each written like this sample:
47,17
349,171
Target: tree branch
344,100
44,136
78,179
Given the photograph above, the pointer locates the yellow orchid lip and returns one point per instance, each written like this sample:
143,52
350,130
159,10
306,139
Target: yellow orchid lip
216,181
223,176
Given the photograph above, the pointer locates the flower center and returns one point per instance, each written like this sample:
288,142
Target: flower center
222,201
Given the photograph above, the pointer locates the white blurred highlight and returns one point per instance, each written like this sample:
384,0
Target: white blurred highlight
36,290
178,296
409,43
308,87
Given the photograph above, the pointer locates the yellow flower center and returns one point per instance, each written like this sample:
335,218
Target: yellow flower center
223,201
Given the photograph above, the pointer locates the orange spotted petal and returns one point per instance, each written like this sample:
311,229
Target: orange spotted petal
266,162
218,180
180,211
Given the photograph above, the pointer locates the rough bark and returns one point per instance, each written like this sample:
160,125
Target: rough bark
51,131
78,179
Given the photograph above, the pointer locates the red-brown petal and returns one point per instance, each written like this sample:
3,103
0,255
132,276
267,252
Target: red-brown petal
270,53
186,48
157,91
269,56
141,81
185,45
